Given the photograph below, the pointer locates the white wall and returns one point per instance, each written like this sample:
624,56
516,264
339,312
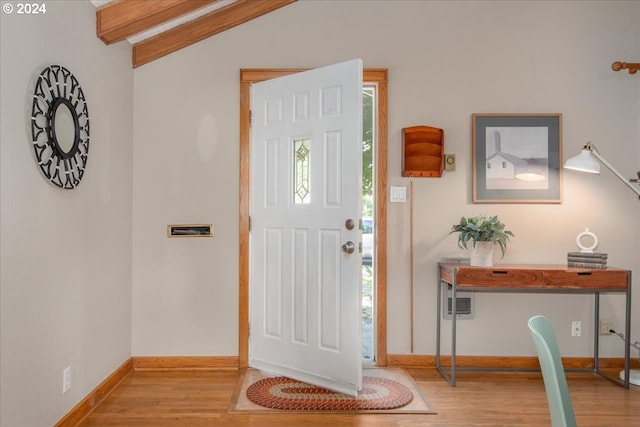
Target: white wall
66,254
446,60
67,257
68,268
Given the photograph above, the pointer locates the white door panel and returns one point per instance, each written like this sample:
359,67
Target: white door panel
305,183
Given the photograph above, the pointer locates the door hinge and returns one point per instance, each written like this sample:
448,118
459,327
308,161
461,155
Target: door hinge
250,117
249,223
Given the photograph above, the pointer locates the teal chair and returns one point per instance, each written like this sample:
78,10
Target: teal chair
555,381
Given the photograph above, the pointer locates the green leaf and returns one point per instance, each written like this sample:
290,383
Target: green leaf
481,229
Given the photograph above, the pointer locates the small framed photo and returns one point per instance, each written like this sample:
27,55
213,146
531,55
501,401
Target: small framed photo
517,158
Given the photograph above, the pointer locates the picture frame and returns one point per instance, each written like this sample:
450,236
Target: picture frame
517,158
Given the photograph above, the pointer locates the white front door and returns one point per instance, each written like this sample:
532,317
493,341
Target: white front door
306,154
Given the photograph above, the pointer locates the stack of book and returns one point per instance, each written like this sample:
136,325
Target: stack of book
586,260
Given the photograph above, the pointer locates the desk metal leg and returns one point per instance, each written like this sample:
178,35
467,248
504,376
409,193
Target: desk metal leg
596,334
438,322
454,318
627,339
627,335
449,377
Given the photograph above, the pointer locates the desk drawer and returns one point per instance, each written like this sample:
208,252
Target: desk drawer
587,279
499,278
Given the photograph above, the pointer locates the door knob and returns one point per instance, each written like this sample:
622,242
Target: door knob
348,247
349,224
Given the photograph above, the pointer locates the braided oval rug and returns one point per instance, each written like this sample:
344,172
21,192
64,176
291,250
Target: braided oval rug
287,394
385,390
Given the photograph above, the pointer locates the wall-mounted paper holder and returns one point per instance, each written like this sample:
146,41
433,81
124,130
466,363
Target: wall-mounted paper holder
423,151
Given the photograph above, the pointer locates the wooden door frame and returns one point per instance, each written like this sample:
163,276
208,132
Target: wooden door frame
378,77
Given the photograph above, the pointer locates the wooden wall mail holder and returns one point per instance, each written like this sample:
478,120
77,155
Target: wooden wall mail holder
423,148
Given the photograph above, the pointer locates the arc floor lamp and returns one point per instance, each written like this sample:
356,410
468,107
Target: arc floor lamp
585,161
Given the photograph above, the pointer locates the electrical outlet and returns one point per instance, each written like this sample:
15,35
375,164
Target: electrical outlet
605,326
66,379
576,328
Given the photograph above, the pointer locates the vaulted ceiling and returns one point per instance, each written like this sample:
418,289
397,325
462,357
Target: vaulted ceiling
156,28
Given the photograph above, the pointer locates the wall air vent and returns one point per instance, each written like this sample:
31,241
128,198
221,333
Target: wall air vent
464,305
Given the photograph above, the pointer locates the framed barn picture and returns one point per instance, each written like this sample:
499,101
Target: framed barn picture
517,158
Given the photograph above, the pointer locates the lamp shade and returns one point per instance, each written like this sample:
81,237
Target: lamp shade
583,162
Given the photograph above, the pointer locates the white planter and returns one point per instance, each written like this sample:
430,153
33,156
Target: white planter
482,254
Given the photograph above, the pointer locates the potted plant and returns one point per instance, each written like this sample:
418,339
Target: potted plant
484,232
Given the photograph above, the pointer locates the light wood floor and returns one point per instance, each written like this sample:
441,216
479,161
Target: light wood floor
201,398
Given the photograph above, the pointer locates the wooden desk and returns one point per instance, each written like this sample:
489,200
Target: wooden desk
533,278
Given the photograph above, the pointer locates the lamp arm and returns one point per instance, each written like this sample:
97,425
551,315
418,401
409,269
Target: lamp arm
596,154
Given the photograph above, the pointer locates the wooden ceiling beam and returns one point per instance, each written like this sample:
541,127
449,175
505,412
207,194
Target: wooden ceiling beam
118,20
199,29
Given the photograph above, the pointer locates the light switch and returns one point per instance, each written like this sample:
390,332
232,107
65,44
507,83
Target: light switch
398,195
